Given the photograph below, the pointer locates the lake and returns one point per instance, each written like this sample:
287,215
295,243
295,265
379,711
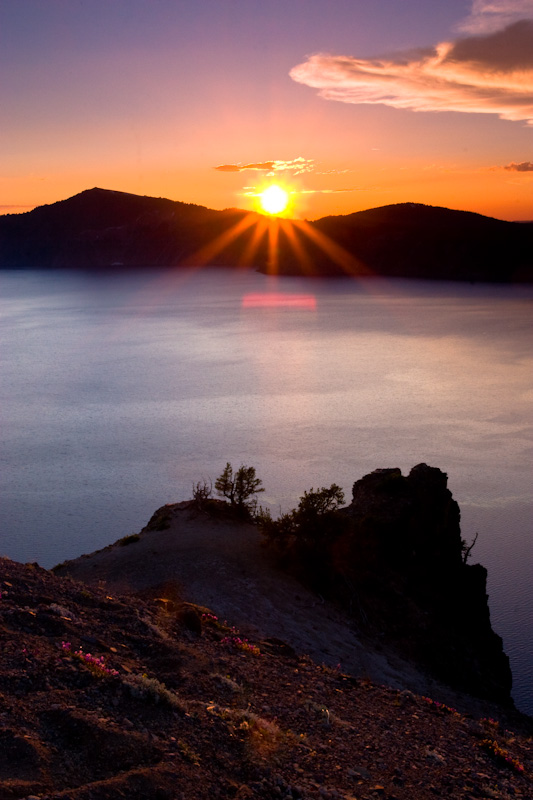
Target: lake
118,392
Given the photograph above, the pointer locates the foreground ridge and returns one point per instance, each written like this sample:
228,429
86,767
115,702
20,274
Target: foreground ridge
381,586
107,696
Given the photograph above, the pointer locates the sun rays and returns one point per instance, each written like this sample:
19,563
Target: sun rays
278,246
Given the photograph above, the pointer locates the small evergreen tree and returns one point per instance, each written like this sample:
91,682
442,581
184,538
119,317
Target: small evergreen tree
239,487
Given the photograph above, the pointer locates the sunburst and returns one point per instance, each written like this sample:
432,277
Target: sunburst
274,199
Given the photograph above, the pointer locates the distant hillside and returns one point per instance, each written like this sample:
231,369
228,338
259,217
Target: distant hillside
99,229
421,241
102,229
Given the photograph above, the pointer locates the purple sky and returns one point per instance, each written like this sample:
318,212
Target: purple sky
346,104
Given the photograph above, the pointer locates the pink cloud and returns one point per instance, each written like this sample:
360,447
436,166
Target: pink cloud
489,74
492,15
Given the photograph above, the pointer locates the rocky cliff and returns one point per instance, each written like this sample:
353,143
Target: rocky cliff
405,560
395,563
120,686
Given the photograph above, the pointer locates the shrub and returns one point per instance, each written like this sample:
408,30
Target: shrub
201,492
152,690
313,521
303,538
126,540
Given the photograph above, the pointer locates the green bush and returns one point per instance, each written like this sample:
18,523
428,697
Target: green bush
313,521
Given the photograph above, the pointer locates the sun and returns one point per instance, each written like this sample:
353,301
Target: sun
274,200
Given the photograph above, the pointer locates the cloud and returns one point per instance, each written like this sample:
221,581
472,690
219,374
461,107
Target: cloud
334,191
297,166
524,166
266,165
228,168
509,51
489,74
491,15
334,172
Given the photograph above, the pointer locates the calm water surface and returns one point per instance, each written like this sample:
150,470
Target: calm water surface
118,392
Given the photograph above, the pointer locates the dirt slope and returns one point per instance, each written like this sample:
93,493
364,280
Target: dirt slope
104,696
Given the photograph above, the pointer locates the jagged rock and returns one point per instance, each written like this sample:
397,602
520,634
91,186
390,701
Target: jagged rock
404,553
414,518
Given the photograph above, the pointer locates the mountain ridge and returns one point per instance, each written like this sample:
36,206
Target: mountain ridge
107,229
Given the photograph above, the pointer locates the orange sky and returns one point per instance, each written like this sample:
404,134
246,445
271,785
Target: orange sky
347,107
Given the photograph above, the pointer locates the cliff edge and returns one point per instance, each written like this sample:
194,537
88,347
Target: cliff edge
380,587
181,662
107,696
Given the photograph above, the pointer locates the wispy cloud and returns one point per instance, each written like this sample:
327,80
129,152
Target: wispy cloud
490,74
252,191
333,172
333,191
523,166
296,166
266,166
492,15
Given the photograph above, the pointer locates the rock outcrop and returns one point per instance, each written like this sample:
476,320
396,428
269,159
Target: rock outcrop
390,569
405,562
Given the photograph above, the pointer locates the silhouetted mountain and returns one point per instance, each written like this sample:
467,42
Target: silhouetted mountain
102,229
422,241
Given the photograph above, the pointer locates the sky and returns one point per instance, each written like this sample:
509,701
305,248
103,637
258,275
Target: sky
347,104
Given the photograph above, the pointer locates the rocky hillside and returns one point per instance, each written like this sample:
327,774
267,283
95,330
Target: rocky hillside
395,562
378,586
147,698
102,229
